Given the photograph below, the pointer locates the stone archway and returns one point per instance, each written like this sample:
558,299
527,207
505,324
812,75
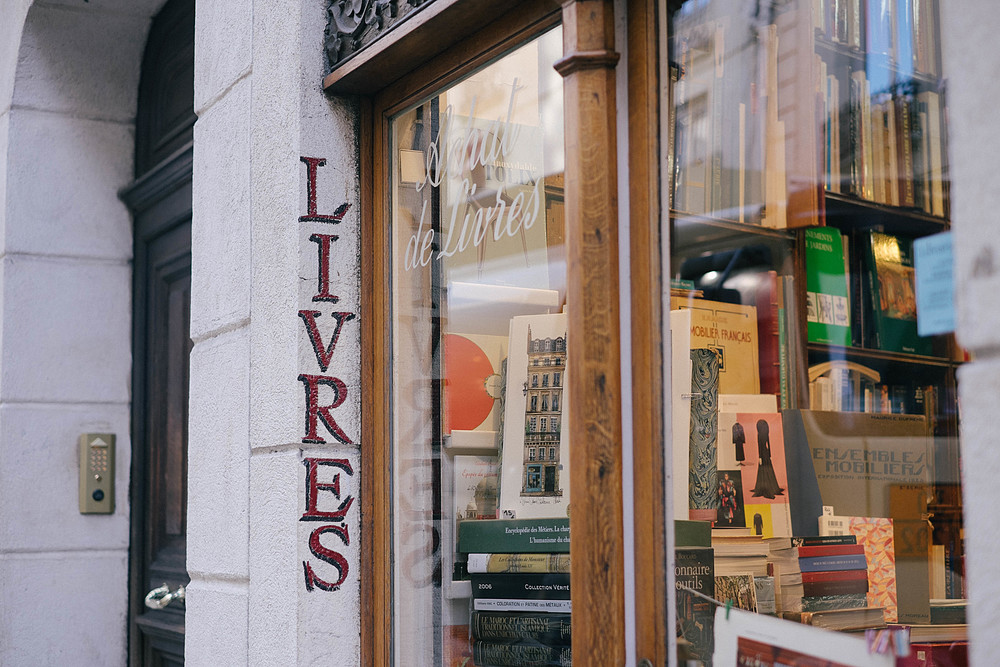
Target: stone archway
68,88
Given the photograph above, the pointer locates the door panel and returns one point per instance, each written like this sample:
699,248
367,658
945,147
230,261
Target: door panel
160,200
161,352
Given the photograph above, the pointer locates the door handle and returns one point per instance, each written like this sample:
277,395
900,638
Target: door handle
158,598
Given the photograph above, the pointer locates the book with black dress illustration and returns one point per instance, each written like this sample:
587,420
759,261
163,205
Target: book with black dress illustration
763,475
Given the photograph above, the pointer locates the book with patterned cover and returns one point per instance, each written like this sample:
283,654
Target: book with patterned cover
876,536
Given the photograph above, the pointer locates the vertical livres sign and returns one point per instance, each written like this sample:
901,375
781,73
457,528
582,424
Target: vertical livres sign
324,393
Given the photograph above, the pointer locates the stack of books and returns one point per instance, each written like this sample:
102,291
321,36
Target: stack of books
737,553
819,573
521,606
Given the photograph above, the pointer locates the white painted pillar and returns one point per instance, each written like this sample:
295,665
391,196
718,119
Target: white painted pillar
969,33
259,65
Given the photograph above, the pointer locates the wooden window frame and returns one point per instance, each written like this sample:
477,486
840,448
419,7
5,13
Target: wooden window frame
588,69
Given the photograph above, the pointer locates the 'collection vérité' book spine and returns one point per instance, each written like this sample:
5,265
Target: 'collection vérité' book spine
549,629
523,586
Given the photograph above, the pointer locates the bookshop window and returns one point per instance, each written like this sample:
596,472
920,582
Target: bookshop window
480,494
813,400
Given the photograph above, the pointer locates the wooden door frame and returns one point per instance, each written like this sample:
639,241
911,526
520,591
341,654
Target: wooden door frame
645,274
597,545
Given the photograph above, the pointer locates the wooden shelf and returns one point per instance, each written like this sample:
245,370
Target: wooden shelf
850,213
697,229
859,353
917,79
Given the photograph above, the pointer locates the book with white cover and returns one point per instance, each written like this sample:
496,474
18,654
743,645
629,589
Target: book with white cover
534,468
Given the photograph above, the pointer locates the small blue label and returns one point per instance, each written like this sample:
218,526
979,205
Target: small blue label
934,264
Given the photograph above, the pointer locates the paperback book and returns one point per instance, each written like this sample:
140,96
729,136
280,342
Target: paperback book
827,304
549,629
731,331
763,475
472,387
534,477
893,295
548,586
514,536
520,653
694,577
517,563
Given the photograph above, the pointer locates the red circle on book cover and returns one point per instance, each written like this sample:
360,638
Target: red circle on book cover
466,367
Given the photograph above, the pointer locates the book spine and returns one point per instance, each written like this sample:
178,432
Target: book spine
515,563
931,102
846,586
830,550
550,629
904,146
714,201
835,575
830,602
872,286
514,536
783,359
505,604
488,654
821,563
521,586
768,330
820,540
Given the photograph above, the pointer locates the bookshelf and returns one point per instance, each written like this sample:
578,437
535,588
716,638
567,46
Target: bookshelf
823,115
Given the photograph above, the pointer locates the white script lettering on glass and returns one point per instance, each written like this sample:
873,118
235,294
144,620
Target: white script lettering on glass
455,154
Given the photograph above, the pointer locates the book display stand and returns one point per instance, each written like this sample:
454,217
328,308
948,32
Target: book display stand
808,154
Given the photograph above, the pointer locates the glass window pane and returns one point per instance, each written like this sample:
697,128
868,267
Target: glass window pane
808,158
479,292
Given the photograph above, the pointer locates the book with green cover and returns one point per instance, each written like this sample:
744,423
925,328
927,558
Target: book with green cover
514,536
688,533
893,295
827,306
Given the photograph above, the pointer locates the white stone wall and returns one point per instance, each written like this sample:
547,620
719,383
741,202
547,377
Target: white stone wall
69,75
260,107
972,60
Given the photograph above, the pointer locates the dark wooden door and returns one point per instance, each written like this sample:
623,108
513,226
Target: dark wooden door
161,351
160,200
